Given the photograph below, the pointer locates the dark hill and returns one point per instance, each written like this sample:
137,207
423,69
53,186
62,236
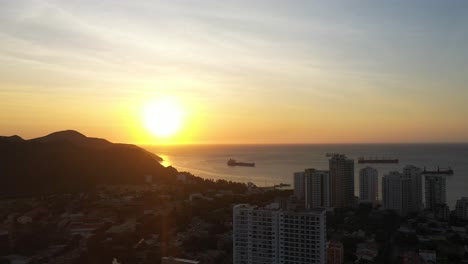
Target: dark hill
69,161
12,139
66,135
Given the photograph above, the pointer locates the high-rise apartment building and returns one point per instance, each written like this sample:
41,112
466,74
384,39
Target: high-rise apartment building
391,191
341,181
403,191
412,189
368,185
299,185
317,188
273,235
461,208
435,191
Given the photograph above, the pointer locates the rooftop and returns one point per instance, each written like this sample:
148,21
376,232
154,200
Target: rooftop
276,207
187,261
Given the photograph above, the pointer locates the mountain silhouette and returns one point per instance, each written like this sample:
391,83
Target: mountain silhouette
11,139
68,161
71,136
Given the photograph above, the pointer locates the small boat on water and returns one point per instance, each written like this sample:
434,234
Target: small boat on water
233,162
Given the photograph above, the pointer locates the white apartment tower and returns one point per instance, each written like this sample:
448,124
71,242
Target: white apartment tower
272,235
299,185
317,188
435,191
368,185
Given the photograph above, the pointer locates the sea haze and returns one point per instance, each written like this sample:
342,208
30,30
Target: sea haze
276,163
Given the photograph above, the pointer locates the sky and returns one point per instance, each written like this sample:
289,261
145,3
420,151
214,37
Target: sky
240,71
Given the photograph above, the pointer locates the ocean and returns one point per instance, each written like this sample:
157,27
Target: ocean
276,163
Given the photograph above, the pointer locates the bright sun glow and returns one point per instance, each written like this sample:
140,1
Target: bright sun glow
163,117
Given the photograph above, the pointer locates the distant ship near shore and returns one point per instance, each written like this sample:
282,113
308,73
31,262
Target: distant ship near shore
439,171
275,164
233,162
362,160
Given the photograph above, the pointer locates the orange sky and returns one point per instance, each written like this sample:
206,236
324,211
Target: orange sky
309,72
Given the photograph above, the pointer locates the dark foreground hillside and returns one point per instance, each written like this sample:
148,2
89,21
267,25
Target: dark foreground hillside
69,161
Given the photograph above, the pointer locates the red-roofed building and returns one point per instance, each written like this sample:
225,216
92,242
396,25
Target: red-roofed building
410,257
334,252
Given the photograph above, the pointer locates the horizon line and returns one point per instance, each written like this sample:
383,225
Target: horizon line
298,144
247,144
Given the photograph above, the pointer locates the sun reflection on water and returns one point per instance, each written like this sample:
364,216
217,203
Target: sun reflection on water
166,162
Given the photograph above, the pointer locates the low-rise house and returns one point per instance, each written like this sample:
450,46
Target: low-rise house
182,177
4,239
84,229
461,231
171,260
198,196
428,256
32,215
367,251
72,216
17,259
126,227
152,240
410,257
10,219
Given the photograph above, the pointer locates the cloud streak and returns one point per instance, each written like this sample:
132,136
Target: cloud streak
341,58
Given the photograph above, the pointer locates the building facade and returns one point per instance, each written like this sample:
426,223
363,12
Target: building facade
299,185
368,185
461,208
402,192
341,181
171,260
435,193
317,188
335,252
273,235
391,191
412,189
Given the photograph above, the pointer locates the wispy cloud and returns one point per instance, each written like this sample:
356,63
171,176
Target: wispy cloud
364,56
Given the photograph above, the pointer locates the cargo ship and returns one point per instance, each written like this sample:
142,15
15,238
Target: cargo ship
377,161
332,154
448,171
233,162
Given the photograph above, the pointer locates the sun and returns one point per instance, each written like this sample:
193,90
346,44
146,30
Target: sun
163,117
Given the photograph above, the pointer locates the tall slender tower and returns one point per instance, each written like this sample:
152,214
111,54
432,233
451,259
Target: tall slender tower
403,191
412,189
368,185
391,191
299,185
341,181
435,191
317,188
